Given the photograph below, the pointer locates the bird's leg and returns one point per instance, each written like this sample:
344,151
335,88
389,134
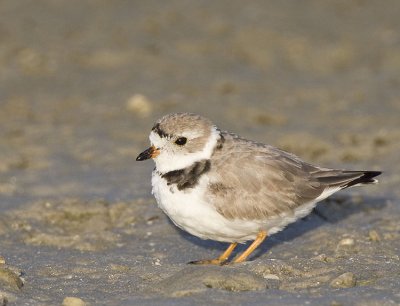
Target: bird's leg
260,238
218,261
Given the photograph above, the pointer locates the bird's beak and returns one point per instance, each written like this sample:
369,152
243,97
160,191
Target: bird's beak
151,152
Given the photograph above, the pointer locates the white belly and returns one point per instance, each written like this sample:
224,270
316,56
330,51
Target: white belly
189,211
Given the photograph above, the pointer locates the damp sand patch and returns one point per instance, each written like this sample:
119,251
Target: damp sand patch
80,225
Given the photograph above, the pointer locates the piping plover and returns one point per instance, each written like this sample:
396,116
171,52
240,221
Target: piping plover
216,185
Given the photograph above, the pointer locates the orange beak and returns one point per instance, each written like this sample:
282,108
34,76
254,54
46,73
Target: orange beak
151,152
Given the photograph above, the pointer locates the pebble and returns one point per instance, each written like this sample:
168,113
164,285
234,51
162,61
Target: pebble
374,236
73,301
139,105
271,276
321,257
346,242
9,278
345,280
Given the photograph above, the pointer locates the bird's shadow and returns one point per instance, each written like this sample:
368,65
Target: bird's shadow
332,210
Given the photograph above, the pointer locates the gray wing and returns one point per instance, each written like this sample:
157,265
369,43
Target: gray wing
249,180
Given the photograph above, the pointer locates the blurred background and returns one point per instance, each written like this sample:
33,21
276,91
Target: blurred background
82,82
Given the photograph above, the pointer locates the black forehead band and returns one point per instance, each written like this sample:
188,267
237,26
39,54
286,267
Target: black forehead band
157,129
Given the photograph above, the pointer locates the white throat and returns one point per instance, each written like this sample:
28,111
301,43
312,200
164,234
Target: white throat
167,162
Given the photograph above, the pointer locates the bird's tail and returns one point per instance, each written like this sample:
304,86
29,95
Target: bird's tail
344,179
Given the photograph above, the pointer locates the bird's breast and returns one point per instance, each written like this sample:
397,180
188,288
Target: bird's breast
186,207
190,210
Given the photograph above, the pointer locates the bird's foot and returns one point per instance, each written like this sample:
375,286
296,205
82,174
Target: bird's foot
217,262
221,260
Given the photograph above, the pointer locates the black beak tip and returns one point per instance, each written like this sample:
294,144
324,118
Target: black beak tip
139,158
145,154
142,156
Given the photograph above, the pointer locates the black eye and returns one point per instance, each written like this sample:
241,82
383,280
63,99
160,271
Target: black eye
181,141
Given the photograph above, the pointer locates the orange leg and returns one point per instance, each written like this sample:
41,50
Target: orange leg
260,238
218,261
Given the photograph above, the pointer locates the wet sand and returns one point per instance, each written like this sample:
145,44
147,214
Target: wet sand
83,82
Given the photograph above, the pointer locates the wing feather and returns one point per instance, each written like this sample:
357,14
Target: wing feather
249,180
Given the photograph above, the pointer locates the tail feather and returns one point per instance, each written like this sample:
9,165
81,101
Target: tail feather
344,179
366,178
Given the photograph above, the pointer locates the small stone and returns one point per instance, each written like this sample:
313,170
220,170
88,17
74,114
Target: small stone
139,105
271,276
321,257
346,242
324,258
10,279
345,245
272,281
374,236
346,280
73,301
2,260
119,268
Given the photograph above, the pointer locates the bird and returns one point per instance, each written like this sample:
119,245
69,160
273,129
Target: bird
216,185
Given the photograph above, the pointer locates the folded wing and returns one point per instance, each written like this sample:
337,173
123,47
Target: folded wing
255,181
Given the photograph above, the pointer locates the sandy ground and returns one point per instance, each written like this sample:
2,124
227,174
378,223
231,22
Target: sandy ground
82,83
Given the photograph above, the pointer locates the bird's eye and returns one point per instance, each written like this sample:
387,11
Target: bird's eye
181,141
